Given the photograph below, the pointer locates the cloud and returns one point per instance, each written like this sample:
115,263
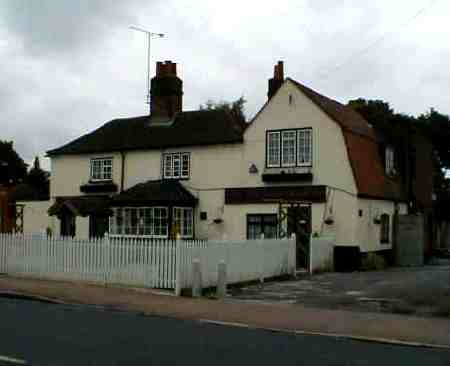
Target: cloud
70,66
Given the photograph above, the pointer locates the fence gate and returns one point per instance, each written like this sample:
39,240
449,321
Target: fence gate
295,218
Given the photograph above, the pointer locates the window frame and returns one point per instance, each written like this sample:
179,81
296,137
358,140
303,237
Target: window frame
294,138
262,223
180,158
268,134
102,168
122,234
280,132
385,229
310,147
189,235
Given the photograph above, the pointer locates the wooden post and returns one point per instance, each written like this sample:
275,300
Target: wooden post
196,278
178,271
261,259
221,280
294,254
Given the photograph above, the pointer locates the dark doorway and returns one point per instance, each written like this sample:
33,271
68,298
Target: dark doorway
298,221
98,226
67,224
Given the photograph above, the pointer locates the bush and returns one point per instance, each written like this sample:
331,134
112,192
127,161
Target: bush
373,262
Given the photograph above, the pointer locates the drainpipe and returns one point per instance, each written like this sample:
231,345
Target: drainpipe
122,171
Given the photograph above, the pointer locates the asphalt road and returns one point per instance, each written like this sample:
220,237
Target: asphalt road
48,334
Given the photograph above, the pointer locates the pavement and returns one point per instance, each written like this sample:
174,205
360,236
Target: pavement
420,291
37,333
377,327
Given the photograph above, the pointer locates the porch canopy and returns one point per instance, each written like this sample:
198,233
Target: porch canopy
81,206
155,193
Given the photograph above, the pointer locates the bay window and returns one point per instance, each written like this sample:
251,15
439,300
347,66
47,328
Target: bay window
183,221
140,221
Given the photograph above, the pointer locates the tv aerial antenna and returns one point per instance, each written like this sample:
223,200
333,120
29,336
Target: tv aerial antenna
150,35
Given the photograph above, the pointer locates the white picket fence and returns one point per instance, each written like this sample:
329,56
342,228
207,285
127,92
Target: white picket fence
143,262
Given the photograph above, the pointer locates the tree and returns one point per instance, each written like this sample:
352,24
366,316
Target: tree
236,108
12,168
437,126
37,177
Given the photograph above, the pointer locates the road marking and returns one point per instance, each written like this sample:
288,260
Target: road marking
12,360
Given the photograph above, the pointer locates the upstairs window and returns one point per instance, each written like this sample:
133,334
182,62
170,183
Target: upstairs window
304,147
101,169
176,165
273,149
289,148
390,160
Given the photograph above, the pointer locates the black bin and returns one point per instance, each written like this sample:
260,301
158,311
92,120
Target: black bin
346,258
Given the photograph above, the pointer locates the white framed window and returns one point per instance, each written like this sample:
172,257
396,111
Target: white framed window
101,169
185,165
304,147
140,221
176,165
183,221
273,149
168,172
390,160
288,146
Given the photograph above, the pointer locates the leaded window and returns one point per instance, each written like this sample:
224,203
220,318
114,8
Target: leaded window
101,169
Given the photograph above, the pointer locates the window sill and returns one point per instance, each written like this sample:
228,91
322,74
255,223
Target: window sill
107,186
288,174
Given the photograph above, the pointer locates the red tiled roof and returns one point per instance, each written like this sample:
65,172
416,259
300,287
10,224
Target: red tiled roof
362,148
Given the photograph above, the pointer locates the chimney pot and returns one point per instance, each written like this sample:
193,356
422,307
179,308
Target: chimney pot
277,80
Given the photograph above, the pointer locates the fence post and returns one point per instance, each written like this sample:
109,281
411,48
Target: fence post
178,269
294,255
261,259
310,255
105,258
221,280
196,278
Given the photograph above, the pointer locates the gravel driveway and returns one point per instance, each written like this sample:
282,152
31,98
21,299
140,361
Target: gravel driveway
423,291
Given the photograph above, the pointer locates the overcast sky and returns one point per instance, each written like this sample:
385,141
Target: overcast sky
67,66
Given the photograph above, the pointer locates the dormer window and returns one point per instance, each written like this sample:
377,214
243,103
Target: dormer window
176,165
101,169
390,161
289,148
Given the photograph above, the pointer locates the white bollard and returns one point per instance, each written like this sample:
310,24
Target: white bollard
221,280
196,279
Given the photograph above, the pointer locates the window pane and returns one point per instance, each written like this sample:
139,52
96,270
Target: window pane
304,147
273,149
288,148
264,223
168,166
176,166
185,166
101,169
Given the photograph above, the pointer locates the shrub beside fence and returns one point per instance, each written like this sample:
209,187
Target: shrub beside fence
143,261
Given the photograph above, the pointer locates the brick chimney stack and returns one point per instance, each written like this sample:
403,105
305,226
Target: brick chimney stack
277,80
166,92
